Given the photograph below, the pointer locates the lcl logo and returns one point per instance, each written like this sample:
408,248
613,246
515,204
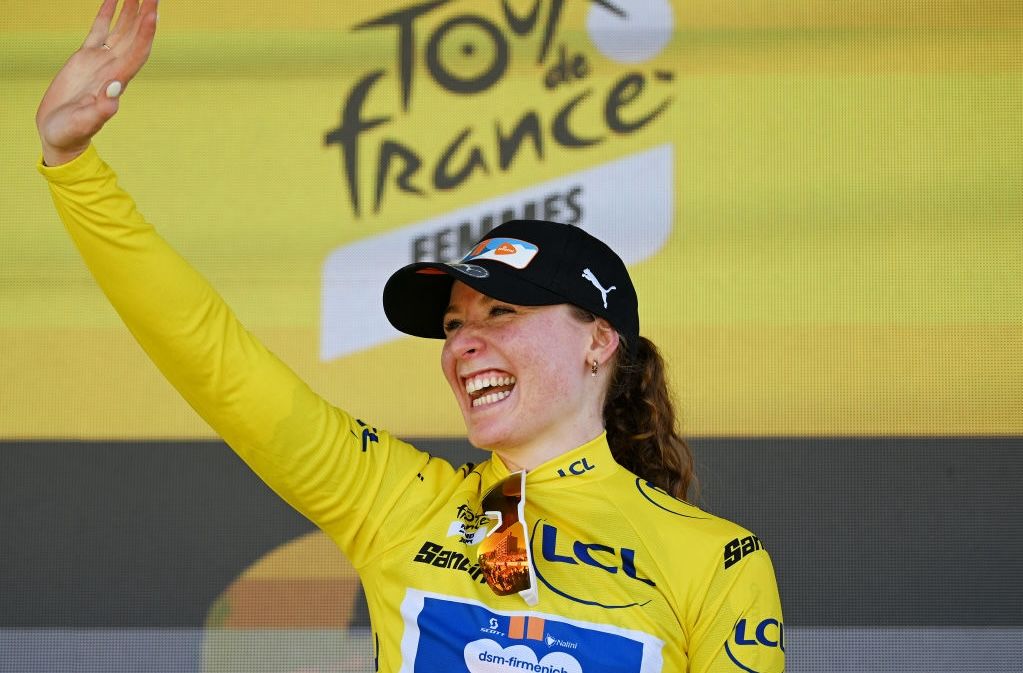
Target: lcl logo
760,635
577,468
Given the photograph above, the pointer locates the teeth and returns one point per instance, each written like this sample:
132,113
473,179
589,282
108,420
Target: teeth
490,398
480,382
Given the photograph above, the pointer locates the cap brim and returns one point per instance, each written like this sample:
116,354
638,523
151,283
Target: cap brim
417,296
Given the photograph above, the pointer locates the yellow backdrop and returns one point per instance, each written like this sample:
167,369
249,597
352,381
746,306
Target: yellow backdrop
821,200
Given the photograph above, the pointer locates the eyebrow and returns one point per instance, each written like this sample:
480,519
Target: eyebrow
487,300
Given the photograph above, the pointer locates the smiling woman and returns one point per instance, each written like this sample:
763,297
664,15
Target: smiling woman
538,319
551,405
602,564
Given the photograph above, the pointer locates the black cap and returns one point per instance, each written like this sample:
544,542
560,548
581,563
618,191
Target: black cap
525,262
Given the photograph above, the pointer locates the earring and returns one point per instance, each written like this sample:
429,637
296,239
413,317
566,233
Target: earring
593,369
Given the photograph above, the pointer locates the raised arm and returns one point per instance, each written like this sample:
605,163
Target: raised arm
84,94
311,453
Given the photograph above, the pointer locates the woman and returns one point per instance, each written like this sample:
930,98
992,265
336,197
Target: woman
571,549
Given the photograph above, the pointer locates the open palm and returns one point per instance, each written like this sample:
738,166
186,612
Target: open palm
84,94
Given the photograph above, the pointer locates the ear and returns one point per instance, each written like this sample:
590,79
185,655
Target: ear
604,341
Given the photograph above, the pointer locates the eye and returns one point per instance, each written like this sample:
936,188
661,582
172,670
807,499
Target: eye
501,310
451,325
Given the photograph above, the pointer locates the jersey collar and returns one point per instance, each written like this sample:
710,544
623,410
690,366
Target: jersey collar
586,463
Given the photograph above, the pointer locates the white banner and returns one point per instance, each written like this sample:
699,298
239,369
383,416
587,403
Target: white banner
627,203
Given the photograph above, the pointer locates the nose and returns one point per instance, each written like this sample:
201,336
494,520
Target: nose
466,342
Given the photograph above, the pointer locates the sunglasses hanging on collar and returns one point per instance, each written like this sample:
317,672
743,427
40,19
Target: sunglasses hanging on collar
504,554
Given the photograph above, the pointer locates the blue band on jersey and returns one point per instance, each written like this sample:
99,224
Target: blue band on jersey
447,635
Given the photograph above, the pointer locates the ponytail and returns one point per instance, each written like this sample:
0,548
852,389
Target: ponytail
640,419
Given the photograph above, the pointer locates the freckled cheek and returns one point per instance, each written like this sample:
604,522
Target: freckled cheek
447,367
544,374
558,387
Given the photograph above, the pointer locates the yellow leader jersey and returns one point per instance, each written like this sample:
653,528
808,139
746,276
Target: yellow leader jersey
630,579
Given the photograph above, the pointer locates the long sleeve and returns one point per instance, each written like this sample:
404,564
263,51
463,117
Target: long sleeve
311,453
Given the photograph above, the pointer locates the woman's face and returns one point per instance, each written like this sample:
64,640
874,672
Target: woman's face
521,375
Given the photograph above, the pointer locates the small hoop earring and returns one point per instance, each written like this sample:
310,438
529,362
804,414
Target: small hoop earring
593,368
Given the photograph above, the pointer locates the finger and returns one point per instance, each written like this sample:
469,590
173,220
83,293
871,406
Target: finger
101,24
132,29
129,14
141,44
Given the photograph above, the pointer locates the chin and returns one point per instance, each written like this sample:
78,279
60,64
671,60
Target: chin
483,441
489,440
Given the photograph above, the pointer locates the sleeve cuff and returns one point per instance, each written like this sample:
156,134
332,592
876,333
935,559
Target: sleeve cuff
86,164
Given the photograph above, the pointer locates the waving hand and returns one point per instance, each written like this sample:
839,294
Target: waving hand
84,94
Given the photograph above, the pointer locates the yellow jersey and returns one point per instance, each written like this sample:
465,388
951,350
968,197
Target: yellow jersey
630,579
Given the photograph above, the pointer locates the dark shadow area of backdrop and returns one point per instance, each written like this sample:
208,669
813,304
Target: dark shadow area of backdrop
863,531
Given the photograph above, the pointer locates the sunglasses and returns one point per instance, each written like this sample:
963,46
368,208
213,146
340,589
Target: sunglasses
504,555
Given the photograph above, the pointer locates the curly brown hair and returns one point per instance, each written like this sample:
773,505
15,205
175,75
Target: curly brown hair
640,419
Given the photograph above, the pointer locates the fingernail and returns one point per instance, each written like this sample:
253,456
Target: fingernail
114,90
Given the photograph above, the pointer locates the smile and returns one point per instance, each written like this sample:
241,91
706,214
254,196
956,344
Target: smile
488,388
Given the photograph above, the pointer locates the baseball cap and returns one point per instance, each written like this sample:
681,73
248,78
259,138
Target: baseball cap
525,262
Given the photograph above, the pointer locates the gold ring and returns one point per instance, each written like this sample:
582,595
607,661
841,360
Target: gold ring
106,46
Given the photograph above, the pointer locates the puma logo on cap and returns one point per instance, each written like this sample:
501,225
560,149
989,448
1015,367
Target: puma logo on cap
588,275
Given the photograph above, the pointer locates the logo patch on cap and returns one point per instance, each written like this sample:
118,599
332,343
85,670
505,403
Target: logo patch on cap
469,269
511,251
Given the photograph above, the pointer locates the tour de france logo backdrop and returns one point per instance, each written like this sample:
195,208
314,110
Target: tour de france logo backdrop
805,264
